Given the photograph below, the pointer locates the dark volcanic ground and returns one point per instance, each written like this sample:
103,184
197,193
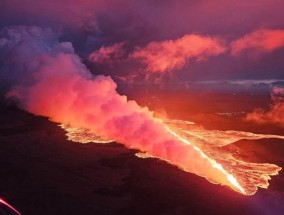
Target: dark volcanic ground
41,173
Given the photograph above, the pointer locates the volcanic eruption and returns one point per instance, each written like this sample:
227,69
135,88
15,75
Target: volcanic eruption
50,80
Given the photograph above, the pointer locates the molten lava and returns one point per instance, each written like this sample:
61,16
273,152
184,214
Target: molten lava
243,177
234,183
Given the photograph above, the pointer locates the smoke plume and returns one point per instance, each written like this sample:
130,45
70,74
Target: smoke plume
50,80
275,115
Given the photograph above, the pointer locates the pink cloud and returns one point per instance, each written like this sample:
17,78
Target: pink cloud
276,113
165,56
263,40
107,54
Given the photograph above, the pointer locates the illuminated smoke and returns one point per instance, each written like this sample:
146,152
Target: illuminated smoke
54,83
275,115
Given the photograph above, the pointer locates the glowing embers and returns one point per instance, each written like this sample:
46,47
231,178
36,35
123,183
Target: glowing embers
243,177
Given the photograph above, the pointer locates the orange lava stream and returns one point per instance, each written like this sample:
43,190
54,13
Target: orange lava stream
234,182
214,143
81,135
243,177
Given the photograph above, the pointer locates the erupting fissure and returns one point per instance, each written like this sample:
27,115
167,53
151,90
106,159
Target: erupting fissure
80,135
234,182
243,177
50,80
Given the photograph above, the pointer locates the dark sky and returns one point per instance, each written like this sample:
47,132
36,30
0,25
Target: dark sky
91,24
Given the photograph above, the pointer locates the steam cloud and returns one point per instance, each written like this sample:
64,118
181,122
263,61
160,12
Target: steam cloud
50,80
276,113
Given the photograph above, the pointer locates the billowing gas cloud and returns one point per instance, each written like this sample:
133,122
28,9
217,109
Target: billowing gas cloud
263,41
54,83
276,113
160,57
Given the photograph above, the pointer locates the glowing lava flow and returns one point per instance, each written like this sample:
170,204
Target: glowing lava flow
244,177
218,146
83,136
230,177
